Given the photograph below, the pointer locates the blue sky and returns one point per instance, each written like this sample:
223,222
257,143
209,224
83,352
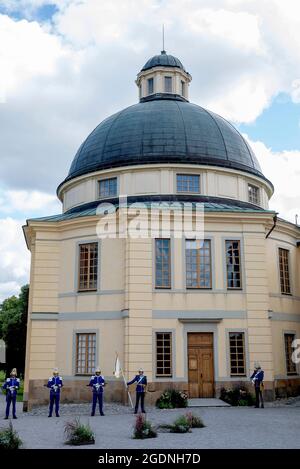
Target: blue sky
278,126
69,64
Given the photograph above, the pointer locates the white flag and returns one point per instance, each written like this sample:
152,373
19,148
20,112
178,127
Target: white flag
117,371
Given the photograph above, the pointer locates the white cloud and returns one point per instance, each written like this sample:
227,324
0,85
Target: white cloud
28,201
26,51
14,258
283,170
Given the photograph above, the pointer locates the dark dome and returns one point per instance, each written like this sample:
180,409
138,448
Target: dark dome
164,131
163,60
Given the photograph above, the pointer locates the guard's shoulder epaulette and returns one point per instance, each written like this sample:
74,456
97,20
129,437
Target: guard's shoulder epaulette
7,379
50,379
93,376
18,379
60,378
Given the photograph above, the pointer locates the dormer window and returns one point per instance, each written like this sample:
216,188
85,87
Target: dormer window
150,85
168,84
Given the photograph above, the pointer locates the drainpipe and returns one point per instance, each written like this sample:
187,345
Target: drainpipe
274,224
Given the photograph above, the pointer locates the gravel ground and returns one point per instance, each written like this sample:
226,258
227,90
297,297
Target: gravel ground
276,426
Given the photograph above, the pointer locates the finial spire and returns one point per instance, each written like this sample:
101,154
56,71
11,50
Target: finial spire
163,39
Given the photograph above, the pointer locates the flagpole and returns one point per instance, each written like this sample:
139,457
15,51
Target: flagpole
125,383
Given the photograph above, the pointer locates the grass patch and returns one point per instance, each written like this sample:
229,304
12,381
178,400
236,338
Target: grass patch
143,428
9,438
78,434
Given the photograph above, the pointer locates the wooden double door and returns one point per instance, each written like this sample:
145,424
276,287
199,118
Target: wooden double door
200,364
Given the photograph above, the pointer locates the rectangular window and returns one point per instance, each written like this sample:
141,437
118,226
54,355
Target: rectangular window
168,84
85,353
198,263
233,264
182,88
237,354
188,183
150,85
253,194
290,365
162,263
164,354
108,187
88,266
284,271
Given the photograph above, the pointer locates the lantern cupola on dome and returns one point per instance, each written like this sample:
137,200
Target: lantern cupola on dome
163,76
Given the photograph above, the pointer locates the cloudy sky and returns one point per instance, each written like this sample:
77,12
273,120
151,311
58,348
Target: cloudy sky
67,64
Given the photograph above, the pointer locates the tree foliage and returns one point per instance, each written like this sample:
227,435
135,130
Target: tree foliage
13,326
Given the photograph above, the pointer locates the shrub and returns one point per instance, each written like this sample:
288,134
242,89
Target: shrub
79,434
143,428
181,425
9,438
238,396
194,420
172,399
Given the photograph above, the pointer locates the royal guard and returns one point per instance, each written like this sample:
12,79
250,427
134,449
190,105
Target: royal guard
11,386
258,380
97,384
141,385
55,384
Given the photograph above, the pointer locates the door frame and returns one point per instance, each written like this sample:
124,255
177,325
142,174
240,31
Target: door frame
202,327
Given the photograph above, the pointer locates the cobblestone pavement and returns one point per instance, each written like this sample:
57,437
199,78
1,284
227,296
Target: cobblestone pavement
276,426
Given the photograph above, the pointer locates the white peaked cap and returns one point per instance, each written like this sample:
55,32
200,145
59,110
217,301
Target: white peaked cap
141,369
98,370
257,365
13,371
55,370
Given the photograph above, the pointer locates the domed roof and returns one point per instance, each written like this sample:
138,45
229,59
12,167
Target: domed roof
164,131
163,60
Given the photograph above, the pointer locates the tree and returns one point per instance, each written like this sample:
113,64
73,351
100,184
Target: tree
13,327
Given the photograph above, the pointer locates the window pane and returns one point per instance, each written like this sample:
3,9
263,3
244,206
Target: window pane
108,187
85,353
253,194
188,183
237,354
198,263
88,266
150,85
164,354
233,264
168,84
162,263
284,271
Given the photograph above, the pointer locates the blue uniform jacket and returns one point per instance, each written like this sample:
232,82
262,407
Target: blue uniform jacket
11,386
55,384
258,377
141,382
97,383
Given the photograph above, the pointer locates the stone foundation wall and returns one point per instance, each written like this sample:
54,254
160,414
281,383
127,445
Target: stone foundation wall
287,387
269,389
77,390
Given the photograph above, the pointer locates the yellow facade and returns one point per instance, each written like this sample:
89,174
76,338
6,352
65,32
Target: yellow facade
127,309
